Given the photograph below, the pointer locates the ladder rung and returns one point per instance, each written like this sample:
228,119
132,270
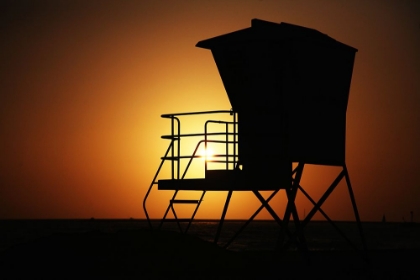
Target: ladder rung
185,201
170,158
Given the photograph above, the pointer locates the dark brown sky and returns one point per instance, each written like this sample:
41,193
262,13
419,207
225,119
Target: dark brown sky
82,87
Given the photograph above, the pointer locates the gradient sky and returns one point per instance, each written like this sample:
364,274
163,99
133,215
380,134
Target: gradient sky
83,85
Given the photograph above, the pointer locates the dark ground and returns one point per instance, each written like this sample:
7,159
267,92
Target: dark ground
140,253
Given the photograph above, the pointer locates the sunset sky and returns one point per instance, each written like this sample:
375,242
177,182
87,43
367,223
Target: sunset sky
83,85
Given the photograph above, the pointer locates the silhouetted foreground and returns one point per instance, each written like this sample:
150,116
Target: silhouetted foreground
145,254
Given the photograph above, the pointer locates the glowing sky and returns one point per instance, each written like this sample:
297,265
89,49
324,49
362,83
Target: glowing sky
83,85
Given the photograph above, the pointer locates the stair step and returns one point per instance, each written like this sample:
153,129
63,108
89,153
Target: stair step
185,201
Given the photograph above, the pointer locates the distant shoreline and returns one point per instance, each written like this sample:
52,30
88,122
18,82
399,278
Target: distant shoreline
195,220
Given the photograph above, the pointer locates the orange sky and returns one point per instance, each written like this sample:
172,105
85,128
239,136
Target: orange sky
82,88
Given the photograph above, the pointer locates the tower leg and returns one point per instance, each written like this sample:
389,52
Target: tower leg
250,219
222,219
356,212
292,211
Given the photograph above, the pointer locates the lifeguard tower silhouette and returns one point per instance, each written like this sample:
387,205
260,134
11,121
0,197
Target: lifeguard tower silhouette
289,87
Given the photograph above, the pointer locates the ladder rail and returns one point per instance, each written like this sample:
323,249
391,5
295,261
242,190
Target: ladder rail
153,183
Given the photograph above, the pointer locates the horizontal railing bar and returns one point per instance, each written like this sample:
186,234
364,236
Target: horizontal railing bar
180,157
196,113
222,142
196,134
221,161
196,156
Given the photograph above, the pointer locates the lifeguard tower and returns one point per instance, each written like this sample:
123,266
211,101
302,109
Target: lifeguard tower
289,87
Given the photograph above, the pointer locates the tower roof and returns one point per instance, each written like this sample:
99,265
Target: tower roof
262,30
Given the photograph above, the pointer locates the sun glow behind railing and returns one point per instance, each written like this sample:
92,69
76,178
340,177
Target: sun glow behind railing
206,154
204,138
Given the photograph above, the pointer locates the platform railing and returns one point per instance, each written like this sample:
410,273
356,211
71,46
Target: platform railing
174,152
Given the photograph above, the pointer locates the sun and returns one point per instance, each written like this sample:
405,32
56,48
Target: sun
207,154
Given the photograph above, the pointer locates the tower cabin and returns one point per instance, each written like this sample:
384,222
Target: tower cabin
289,86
